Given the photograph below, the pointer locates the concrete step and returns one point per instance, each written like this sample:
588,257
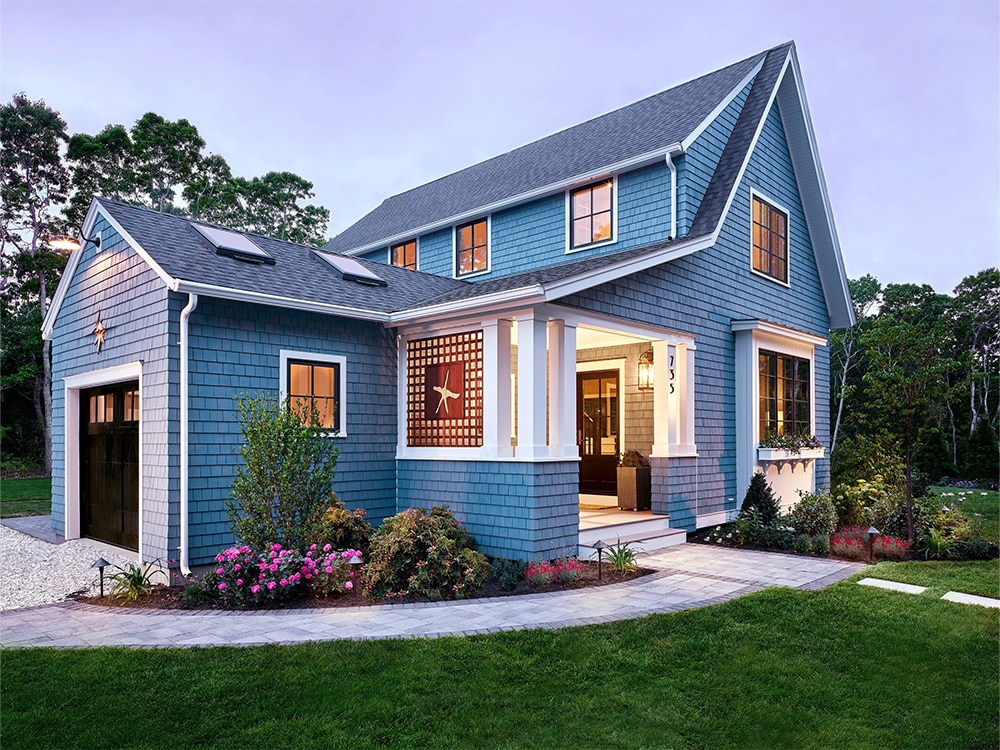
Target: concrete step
642,536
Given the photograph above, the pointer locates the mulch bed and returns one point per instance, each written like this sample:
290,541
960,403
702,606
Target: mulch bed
170,597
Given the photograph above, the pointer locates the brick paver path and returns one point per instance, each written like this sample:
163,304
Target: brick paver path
687,576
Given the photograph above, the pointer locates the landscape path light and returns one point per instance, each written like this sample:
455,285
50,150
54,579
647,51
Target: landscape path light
600,547
872,532
101,564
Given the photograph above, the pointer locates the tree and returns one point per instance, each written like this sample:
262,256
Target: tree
166,154
104,165
906,372
34,183
272,207
974,314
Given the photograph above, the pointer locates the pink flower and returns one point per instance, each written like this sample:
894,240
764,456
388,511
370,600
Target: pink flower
271,585
222,587
284,581
220,572
348,585
329,569
239,581
255,589
327,548
237,567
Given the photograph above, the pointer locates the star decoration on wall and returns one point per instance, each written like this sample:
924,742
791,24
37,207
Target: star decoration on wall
445,394
99,332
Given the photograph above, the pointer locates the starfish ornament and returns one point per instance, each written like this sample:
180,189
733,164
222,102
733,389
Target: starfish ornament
99,333
445,394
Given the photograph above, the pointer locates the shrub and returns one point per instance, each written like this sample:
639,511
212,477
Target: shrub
802,543
622,557
761,497
890,548
568,569
328,571
888,515
133,581
342,528
244,577
424,555
814,514
853,501
980,549
539,573
633,459
849,546
508,573
872,458
821,544
286,476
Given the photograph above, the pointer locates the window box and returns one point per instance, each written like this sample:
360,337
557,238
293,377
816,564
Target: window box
783,454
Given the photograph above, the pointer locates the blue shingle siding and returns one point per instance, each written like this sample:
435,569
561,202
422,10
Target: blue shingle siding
514,509
132,302
702,294
380,255
695,168
235,348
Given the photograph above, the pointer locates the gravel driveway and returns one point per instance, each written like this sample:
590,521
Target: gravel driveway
36,572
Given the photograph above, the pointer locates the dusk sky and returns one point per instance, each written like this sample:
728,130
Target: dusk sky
367,99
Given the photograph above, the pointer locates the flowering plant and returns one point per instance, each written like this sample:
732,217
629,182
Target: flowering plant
849,546
564,570
243,577
890,547
328,571
791,443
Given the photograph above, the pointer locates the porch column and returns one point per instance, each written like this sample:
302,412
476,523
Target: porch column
662,432
562,389
685,368
531,387
496,389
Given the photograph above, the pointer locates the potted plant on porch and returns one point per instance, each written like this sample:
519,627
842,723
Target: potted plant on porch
634,482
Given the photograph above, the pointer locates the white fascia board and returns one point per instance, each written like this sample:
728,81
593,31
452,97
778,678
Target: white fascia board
71,267
650,157
816,202
599,321
766,326
588,279
686,143
290,303
471,305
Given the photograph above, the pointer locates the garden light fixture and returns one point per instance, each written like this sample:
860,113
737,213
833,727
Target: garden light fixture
355,563
872,532
599,546
646,371
101,564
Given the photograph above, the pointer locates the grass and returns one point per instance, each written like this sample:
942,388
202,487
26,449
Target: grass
25,497
980,577
847,666
982,506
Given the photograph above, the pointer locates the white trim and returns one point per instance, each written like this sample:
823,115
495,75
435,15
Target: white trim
471,306
703,125
416,253
767,327
72,385
615,363
471,454
787,282
569,248
336,359
489,248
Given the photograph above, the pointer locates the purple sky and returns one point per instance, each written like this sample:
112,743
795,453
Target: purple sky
367,99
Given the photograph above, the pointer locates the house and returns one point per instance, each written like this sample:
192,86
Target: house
661,278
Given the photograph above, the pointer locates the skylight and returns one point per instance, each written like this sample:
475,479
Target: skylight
234,245
351,269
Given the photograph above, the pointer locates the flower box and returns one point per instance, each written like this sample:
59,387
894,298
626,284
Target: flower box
782,454
635,487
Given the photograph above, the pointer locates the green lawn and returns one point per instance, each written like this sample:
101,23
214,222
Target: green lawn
845,667
974,577
981,506
25,497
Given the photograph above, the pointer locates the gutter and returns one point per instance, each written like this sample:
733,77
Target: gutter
673,195
185,315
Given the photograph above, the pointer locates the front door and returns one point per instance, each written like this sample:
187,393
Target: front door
109,464
597,430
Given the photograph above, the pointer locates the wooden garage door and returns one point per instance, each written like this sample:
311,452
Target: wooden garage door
109,464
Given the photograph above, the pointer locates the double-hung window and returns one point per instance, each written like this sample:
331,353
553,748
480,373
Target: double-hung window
770,240
472,248
785,407
404,255
591,214
315,387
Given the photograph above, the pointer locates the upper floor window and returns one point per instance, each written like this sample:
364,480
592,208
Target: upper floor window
591,214
784,395
770,240
315,385
404,255
471,248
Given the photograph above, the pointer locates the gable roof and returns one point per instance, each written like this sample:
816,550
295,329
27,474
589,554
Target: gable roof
645,130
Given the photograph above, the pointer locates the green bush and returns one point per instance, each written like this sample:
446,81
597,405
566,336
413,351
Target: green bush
508,573
286,477
821,544
814,514
751,530
761,497
888,515
342,528
803,543
424,555
872,458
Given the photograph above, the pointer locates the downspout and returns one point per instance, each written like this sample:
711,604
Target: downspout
673,196
185,314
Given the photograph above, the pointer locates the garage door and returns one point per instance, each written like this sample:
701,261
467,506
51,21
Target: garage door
109,464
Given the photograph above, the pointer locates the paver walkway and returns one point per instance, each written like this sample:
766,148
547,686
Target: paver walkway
687,576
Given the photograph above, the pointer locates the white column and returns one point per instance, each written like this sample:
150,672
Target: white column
661,406
496,388
674,389
562,389
688,444
531,387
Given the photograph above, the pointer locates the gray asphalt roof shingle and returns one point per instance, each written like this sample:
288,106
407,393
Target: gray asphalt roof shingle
650,124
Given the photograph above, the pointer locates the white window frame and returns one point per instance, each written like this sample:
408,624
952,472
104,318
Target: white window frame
489,247
416,241
319,358
754,193
569,215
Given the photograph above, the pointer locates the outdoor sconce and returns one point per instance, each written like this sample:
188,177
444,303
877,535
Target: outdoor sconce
599,546
101,564
69,244
872,532
646,371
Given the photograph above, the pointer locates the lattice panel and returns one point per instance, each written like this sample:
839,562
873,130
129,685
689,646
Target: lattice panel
444,391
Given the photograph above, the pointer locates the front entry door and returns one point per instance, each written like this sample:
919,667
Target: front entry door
109,464
597,430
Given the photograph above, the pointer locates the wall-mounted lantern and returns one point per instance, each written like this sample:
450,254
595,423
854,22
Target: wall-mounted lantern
646,371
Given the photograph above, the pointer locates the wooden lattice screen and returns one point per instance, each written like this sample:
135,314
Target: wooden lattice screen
444,391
